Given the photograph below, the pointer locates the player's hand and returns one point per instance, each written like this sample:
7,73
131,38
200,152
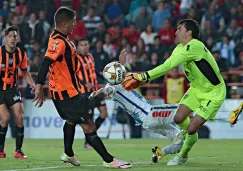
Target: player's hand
39,95
93,95
134,80
123,56
33,87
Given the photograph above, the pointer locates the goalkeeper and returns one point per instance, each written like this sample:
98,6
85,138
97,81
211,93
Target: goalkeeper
207,88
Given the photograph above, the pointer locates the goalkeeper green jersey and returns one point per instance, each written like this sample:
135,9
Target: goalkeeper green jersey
198,64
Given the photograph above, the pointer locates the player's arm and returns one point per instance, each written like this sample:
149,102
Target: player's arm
134,80
55,49
107,90
26,75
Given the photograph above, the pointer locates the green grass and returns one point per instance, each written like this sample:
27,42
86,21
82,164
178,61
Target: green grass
209,155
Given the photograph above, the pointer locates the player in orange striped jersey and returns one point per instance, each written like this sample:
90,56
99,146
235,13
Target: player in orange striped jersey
12,59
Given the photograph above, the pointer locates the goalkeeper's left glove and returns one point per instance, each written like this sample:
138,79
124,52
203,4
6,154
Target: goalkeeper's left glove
134,80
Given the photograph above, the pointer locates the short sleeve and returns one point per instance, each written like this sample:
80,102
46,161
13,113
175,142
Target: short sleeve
56,47
23,65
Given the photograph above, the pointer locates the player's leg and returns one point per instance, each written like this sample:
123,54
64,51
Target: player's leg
98,102
4,120
17,110
101,105
13,100
68,155
66,109
95,141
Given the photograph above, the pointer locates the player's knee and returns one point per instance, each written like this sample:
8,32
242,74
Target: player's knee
178,119
191,130
5,120
88,127
19,119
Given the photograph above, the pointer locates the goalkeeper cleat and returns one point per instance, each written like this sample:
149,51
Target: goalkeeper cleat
157,154
72,160
19,154
2,155
234,114
117,164
177,160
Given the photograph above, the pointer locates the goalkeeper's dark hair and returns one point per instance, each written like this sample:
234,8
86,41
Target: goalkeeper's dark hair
63,14
192,25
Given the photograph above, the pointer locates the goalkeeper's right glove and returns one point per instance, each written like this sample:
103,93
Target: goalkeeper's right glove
134,80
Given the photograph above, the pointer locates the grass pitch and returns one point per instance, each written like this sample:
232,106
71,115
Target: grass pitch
209,155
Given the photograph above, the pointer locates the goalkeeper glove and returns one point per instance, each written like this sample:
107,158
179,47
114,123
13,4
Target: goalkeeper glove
134,80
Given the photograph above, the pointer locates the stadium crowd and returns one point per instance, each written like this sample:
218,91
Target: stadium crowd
144,27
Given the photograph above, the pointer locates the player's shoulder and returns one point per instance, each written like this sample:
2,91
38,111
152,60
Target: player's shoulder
195,44
21,50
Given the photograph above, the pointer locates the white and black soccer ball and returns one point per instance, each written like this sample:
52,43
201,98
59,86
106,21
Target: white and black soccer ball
114,73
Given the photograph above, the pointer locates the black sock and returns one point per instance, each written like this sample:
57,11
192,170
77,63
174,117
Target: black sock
99,147
69,131
98,122
3,132
19,137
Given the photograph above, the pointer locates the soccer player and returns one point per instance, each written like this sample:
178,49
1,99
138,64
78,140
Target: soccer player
12,59
87,77
207,89
154,118
61,60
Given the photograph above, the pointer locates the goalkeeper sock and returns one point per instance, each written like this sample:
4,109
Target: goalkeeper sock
98,122
99,147
69,131
184,124
189,142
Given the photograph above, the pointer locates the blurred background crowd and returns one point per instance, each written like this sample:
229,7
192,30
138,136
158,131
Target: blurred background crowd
146,28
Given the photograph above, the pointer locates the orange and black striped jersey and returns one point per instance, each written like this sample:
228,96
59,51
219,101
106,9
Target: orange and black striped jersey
9,65
62,78
86,73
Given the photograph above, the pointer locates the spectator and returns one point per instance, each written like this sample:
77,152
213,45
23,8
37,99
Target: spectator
19,9
160,15
223,64
99,34
233,30
101,59
91,21
209,31
148,35
216,18
79,30
143,19
140,48
167,34
175,86
131,33
5,10
44,26
185,6
113,14
109,48
98,5
157,47
225,48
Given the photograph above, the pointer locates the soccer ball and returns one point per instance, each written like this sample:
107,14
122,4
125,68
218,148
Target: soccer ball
114,73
